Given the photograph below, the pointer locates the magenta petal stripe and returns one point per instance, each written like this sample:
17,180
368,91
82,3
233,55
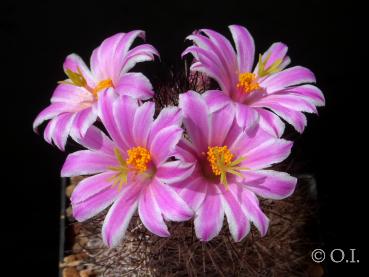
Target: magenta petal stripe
92,186
95,139
167,117
119,215
245,47
49,112
142,123
97,194
195,119
209,217
194,191
270,184
289,77
87,162
164,143
135,85
250,205
174,171
170,203
238,223
141,53
124,110
150,213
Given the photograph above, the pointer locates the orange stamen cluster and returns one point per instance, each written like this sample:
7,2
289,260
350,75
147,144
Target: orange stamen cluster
247,82
218,157
138,158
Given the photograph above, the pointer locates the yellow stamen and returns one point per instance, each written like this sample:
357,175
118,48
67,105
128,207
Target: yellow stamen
273,68
220,159
77,79
120,177
102,85
247,82
138,158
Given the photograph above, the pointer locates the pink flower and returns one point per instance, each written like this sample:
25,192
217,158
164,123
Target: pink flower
230,169
73,105
264,93
131,170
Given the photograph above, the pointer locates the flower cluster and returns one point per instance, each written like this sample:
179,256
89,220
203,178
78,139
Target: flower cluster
207,158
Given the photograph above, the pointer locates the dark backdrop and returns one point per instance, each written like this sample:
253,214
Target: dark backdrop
37,36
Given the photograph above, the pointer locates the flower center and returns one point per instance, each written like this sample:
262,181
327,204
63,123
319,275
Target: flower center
138,158
247,82
220,160
218,157
77,79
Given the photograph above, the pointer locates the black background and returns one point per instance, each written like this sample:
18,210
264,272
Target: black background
36,37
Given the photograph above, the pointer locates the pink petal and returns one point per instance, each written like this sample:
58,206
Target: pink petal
107,60
288,100
186,152
141,53
142,123
209,216
74,63
172,206
94,196
135,85
270,184
164,143
268,152
105,112
194,191
76,97
195,119
238,224
239,142
250,205
82,121
95,139
295,118
289,77
120,214
220,122
208,63
92,186
212,50
174,171
245,47
313,94
87,162
150,213
50,112
215,99
124,111
270,122
276,51
62,128
247,117
167,117
225,52
49,130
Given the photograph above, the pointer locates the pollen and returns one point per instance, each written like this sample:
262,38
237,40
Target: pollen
247,82
138,158
219,157
102,85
